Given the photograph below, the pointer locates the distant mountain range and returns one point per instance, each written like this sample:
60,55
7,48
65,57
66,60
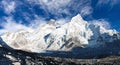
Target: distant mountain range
77,36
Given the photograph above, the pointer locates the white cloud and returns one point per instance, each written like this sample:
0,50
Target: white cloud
62,21
59,7
86,10
109,2
36,22
53,6
102,22
8,6
11,26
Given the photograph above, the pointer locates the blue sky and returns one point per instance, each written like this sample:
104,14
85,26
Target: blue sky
31,13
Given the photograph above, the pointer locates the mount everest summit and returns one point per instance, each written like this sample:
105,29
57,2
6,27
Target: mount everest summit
53,36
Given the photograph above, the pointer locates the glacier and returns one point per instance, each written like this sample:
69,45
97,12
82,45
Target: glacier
54,36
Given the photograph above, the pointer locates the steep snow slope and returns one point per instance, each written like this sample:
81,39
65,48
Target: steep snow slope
53,36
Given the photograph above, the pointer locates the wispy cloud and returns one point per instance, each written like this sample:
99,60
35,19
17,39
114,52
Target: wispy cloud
9,6
10,25
54,7
36,22
102,22
67,7
107,2
87,10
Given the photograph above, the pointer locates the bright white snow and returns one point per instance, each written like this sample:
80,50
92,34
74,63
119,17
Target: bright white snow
52,36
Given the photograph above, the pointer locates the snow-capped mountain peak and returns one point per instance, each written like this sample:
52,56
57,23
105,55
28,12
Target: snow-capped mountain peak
78,19
53,36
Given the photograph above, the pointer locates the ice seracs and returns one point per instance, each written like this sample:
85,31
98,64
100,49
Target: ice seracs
53,36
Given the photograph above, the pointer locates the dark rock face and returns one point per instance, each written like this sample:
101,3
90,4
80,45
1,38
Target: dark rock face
108,54
17,57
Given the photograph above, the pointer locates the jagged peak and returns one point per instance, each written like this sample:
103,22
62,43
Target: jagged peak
78,19
53,22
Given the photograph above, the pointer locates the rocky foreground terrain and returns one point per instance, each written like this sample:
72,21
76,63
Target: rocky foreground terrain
17,57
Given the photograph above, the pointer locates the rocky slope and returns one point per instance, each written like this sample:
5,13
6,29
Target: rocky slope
17,57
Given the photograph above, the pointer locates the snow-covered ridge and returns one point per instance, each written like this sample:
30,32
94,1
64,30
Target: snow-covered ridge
53,36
